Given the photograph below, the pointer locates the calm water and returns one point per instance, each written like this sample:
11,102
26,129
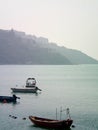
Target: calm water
70,86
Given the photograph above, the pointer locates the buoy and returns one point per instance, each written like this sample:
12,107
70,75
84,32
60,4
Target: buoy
24,118
73,126
14,117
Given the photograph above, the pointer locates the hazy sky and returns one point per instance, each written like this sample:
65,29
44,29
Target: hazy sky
71,23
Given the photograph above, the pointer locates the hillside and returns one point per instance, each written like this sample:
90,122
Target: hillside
19,48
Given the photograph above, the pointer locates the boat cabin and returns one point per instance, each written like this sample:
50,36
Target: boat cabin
30,82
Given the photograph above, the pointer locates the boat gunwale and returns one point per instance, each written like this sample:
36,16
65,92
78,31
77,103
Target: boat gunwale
46,120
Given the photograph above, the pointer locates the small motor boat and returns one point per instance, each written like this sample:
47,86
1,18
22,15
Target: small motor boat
8,99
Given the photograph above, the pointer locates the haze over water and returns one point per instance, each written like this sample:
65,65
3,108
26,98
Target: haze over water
73,86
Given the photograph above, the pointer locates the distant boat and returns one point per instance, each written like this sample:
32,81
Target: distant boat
52,123
8,99
30,87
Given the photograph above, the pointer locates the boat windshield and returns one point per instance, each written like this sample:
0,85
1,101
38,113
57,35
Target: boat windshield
31,81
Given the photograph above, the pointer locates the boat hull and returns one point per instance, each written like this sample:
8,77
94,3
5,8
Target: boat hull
30,86
49,123
24,90
8,99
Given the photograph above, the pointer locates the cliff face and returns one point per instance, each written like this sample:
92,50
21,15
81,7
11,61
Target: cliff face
19,48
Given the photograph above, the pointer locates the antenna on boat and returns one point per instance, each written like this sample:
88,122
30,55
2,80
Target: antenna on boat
56,113
68,113
61,110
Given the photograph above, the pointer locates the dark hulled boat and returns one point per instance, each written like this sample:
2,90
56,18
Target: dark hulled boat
50,123
53,123
8,99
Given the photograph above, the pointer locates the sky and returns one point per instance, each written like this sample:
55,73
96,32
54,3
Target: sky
69,23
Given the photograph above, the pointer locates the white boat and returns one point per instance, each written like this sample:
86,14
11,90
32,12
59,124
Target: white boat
25,90
30,87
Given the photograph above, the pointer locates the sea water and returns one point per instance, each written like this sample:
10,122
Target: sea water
67,86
